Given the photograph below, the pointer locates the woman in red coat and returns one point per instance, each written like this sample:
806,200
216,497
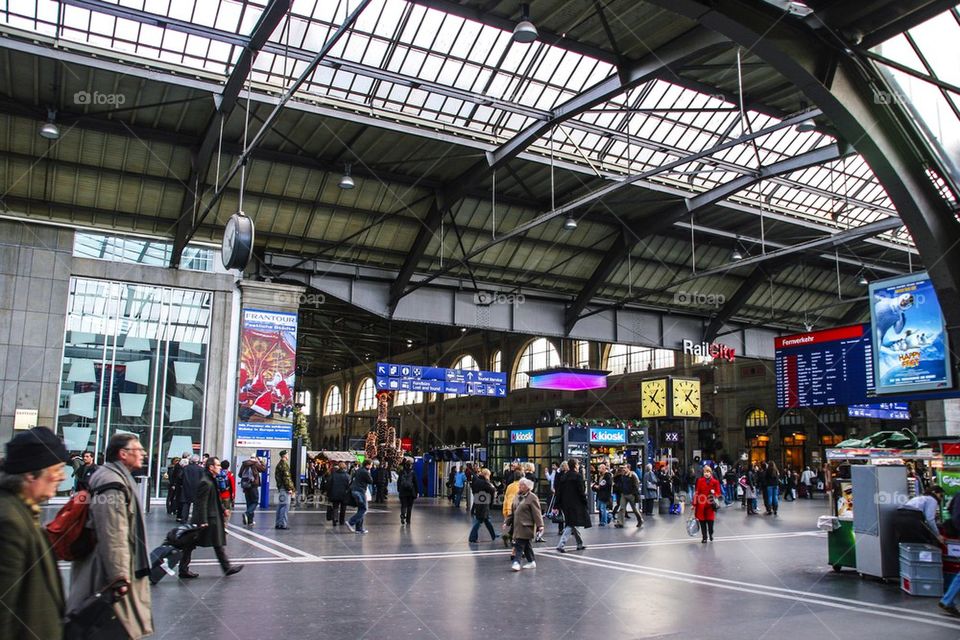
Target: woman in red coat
705,496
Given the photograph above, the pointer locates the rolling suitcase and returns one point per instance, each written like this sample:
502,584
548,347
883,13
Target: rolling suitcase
163,562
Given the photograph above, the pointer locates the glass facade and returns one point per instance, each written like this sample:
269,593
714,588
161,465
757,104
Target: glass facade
134,360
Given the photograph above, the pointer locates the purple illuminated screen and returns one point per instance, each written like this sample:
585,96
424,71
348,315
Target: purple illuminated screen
569,381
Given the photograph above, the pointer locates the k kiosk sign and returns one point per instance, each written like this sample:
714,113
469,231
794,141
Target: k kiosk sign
608,436
521,436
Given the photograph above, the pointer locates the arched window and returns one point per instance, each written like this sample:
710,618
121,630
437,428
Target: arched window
757,418
496,362
539,354
366,395
404,397
466,363
333,405
791,418
624,358
581,354
304,398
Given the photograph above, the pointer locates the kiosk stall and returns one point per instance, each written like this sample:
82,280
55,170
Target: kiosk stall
858,532
592,442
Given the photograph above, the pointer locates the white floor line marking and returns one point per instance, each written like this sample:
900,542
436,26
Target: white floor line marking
772,592
235,530
262,547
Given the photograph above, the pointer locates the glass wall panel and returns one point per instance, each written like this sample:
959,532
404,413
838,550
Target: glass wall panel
135,361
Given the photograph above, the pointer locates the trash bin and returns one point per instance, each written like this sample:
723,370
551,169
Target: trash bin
663,508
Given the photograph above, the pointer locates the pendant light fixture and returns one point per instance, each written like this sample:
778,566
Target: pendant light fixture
570,223
346,182
525,32
50,130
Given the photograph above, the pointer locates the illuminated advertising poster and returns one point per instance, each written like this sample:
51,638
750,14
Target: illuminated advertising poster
268,361
910,350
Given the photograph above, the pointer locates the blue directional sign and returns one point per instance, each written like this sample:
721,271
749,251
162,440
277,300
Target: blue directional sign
410,377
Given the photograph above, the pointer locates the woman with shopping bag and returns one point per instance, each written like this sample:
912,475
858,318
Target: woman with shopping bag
706,502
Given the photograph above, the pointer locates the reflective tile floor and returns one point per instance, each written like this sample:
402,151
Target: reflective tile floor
763,577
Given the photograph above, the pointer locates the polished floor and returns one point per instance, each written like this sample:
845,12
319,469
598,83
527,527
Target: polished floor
763,577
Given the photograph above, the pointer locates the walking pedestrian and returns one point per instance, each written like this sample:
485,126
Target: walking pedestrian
526,522
120,558
358,488
31,591
572,501
459,482
338,486
629,496
706,502
284,491
82,475
772,482
210,514
806,479
407,490
483,493
227,484
601,489
250,472
189,479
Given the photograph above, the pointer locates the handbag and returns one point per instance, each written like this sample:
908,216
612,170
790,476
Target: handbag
329,512
554,514
715,503
693,527
94,617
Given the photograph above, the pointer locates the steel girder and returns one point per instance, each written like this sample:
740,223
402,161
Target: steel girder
227,99
690,44
844,87
645,228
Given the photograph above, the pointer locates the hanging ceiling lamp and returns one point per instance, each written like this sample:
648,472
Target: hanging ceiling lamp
736,256
346,182
50,130
525,31
569,224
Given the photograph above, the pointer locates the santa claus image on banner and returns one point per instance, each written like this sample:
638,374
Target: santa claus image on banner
266,377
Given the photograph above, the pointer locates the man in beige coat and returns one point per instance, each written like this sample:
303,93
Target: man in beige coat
120,557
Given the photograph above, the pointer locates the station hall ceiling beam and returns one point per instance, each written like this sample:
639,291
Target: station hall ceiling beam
646,228
225,102
884,134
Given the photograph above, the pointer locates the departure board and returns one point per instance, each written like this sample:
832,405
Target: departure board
824,368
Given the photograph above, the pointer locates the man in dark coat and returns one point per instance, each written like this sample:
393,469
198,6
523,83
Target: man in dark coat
189,479
208,512
572,501
31,593
358,488
337,487
407,490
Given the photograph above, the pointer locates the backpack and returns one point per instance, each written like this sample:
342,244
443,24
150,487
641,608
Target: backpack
246,477
68,534
222,481
406,482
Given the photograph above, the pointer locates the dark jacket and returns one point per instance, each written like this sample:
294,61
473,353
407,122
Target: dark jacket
483,492
82,480
650,485
207,509
604,486
361,480
31,594
256,466
630,484
572,500
282,475
407,485
337,485
189,480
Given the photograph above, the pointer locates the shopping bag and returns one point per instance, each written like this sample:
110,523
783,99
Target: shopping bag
693,527
329,512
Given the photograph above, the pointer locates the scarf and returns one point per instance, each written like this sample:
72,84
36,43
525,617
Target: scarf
141,556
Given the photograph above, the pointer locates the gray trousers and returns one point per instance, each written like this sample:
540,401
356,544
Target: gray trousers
628,499
566,534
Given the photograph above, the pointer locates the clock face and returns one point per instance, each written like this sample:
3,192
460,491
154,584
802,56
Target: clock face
653,402
686,398
237,244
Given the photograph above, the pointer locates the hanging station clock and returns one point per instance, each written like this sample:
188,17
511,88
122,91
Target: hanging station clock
237,245
685,397
653,402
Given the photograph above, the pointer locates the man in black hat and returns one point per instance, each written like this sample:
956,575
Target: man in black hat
31,594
